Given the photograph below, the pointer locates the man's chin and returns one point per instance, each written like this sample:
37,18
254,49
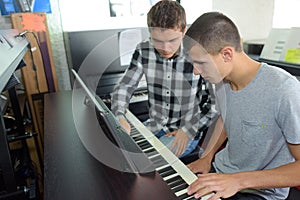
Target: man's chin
211,80
167,55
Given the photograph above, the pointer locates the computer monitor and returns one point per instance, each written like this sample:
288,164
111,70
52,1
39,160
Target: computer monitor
98,51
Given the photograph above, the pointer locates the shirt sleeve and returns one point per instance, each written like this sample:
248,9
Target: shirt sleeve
123,91
201,113
288,115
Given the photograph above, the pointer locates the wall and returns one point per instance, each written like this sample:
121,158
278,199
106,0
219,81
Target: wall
253,18
58,46
94,15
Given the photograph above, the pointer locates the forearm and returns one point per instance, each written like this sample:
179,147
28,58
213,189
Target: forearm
215,137
124,90
119,106
284,176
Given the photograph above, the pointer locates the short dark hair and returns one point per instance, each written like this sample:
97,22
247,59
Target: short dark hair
167,14
214,31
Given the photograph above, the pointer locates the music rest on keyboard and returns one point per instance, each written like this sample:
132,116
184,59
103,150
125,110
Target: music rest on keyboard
126,148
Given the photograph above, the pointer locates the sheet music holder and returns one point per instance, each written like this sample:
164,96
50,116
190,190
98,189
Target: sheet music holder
274,46
291,51
136,159
282,45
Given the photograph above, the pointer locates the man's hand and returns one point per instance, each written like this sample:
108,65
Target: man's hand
202,165
223,185
125,125
180,140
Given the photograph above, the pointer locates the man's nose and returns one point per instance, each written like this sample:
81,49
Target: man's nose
165,46
197,70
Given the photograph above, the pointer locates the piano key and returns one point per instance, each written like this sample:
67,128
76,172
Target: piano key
185,196
138,138
171,180
158,161
144,144
180,187
165,171
138,97
150,152
176,182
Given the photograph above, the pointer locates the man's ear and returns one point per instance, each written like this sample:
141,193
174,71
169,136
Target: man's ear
227,53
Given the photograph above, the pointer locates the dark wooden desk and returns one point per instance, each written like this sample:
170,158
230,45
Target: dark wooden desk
73,172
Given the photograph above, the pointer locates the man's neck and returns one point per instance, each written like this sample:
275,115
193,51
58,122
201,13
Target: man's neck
245,69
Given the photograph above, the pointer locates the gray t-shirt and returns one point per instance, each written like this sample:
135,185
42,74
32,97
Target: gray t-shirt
259,120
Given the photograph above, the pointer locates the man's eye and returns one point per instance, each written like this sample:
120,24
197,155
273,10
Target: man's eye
198,63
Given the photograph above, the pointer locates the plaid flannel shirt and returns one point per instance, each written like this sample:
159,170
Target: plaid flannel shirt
177,98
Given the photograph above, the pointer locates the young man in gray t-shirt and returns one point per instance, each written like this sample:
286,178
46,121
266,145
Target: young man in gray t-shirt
259,108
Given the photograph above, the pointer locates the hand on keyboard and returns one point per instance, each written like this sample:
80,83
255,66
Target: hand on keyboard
201,166
223,185
125,125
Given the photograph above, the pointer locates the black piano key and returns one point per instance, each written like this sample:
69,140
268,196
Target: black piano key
159,158
164,169
159,163
175,183
143,142
168,173
151,152
185,196
144,145
173,179
135,135
180,187
138,138
134,131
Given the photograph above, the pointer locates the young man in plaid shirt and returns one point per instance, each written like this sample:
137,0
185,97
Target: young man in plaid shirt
180,105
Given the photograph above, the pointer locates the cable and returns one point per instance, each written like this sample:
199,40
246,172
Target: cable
34,69
23,34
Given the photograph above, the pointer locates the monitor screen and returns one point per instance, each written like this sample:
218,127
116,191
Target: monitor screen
101,51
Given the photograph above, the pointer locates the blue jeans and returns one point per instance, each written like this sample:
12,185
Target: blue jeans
168,141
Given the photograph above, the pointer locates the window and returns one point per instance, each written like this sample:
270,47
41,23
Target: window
286,13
